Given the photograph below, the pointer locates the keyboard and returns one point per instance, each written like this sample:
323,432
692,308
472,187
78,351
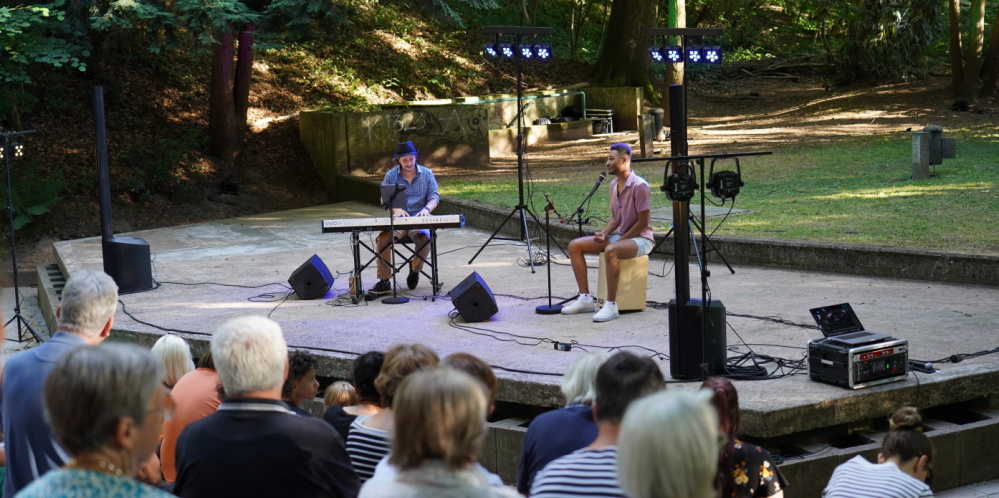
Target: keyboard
403,223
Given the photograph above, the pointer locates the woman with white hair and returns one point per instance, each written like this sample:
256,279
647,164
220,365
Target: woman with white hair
668,446
440,426
557,433
105,406
173,351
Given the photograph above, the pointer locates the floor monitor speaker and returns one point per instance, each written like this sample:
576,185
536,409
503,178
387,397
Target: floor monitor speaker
686,353
312,279
127,261
473,299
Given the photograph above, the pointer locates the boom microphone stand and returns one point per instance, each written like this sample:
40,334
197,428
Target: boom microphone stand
7,149
578,213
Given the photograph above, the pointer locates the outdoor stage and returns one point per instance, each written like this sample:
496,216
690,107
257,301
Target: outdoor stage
210,272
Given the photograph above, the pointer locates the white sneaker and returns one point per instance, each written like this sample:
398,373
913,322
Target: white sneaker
580,305
607,313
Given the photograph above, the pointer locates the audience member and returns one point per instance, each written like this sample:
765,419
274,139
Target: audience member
254,445
301,384
173,351
195,397
85,317
439,426
105,407
744,470
559,432
366,369
592,470
904,468
478,370
669,447
368,440
340,393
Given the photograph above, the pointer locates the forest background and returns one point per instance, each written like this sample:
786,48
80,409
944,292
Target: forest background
202,98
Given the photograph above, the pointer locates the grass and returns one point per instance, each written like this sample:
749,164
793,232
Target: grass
855,192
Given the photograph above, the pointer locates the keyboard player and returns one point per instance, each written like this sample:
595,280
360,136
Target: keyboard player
421,200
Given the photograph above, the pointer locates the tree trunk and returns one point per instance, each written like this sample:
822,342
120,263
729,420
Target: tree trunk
624,59
956,59
674,72
221,109
973,64
241,84
990,67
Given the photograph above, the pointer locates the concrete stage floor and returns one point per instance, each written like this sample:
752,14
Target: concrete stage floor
217,270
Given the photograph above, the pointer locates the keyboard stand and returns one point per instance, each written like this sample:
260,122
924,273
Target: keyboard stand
356,245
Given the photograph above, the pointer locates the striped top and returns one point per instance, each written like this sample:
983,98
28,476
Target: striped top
858,478
366,446
584,472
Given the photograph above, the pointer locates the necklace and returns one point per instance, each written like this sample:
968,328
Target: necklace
105,467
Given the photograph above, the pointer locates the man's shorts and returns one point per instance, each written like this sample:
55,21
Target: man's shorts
644,245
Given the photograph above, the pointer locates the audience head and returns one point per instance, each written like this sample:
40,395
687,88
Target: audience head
479,370
175,354
250,355
400,361
301,383
206,361
578,382
725,400
340,393
107,399
622,379
439,414
366,369
668,446
906,443
89,300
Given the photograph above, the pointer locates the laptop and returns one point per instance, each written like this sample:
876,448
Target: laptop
840,324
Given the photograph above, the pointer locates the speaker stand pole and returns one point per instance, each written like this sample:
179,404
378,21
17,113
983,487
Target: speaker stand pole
22,323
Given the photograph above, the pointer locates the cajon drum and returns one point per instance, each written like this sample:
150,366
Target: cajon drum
632,286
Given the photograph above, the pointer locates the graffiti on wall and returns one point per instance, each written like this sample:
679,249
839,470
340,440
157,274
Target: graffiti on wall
446,126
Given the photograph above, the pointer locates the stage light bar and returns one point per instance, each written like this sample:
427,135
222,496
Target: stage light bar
657,54
673,54
694,55
712,55
543,51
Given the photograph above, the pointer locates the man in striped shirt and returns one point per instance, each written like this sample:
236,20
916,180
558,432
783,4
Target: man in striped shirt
592,471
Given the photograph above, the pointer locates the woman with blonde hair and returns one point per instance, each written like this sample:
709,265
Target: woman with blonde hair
175,354
668,446
440,426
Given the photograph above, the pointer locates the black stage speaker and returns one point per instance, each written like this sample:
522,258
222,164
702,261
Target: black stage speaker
311,280
126,260
473,299
685,351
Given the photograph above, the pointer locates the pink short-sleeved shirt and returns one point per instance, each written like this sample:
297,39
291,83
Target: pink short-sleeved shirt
633,199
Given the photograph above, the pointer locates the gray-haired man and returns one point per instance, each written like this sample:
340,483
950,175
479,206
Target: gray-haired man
86,315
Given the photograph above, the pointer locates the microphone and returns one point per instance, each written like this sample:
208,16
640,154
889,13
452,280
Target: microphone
600,180
552,204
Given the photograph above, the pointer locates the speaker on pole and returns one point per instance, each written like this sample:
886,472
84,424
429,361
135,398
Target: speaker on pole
686,348
311,280
473,299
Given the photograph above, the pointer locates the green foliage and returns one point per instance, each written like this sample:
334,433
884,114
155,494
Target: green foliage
36,35
33,191
160,166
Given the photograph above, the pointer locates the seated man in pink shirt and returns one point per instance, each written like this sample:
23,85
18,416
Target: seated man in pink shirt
630,203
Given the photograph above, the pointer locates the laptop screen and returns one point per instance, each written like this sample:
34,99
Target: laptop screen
836,320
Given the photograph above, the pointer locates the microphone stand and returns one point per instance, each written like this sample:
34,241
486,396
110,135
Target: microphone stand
549,309
578,213
395,299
